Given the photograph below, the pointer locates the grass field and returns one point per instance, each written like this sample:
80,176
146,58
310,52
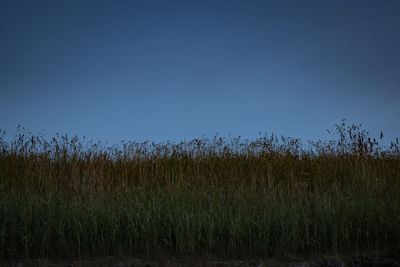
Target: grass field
71,198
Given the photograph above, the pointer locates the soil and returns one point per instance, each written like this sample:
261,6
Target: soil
330,261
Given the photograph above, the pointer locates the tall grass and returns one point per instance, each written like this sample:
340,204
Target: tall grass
67,197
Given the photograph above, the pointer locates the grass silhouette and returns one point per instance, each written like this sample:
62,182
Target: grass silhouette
67,197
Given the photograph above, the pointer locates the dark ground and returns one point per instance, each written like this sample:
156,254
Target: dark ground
333,261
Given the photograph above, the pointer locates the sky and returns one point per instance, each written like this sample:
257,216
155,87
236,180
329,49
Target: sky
174,70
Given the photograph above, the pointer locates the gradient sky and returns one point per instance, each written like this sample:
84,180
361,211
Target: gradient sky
170,70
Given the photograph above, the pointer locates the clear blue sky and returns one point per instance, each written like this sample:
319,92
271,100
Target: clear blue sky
169,70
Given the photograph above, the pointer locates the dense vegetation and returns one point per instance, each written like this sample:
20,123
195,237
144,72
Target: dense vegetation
67,198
